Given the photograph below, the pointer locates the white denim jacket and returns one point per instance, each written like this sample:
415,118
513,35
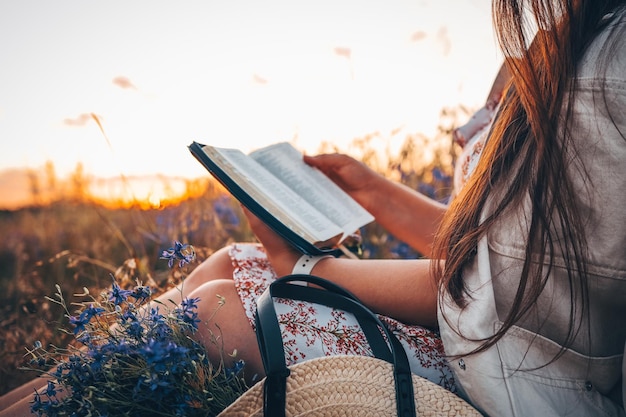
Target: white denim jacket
510,378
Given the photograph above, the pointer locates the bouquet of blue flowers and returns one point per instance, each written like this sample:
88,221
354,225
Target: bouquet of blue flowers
134,356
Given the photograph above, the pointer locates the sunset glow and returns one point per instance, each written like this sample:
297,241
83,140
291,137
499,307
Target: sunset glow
144,193
123,87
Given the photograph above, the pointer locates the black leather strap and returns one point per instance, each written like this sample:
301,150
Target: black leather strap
376,332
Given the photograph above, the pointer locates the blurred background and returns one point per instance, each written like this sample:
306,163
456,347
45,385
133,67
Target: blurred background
99,100
104,89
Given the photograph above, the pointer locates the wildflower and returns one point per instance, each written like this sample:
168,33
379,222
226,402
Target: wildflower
85,338
187,312
190,303
184,253
235,369
79,323
128,316
154,381
135,330
91,312
36,406
150,363
51,390
117,294
159,328
163,355
141,293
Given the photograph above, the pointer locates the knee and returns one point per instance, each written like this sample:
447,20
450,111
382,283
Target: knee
220,312
225,329
219,304
218,266
213,293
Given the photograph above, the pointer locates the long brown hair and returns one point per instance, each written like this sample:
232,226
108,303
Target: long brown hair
530,133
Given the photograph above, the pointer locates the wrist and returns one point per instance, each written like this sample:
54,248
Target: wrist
305,264
370,196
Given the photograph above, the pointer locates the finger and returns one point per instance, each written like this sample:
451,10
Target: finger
327,162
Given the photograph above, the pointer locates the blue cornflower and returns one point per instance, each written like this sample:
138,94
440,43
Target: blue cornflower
150,350
99,357
37,405
128,315
192,320
155,316
51,389
86,338
158,327
135,330
91,312
79,323
187,312
189,304
161,355
184,253
117,294
235,369
155,381
84,318
110,349
154,352
49,407
141,293
58,372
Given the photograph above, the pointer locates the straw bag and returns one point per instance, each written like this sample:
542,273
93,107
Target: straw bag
338,385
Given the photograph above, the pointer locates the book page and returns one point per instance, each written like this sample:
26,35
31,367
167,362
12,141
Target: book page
285,162
288,207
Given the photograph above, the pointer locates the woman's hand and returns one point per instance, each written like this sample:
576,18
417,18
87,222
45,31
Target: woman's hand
281,254
408,215
352,176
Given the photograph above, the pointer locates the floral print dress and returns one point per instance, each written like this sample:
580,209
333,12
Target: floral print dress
311,330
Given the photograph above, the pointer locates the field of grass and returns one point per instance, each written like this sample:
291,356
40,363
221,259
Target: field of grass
75,244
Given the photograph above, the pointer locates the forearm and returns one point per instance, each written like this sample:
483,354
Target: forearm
408,215
401,289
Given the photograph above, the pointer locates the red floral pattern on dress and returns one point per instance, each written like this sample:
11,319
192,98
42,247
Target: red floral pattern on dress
312,330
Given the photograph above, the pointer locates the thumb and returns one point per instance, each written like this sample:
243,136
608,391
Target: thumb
327,162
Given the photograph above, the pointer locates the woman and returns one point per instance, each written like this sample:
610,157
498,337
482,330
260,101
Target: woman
530,280
531,294
530,298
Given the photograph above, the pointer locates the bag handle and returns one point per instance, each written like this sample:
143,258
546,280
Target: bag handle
273,355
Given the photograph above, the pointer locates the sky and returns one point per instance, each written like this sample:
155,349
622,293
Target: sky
124,86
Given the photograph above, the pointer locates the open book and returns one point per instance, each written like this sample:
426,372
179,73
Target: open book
297,201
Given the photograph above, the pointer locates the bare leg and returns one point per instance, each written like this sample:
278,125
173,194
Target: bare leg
19,408
217,266
198,283
226,329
